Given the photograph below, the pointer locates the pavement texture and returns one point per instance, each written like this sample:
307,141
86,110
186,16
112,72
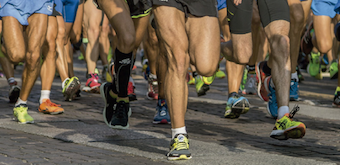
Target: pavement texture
80,136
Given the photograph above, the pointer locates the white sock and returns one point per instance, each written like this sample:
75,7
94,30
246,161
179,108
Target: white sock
176,131
131,80
10,80
63,83
20,102
282,111
295,76
153,76
45,94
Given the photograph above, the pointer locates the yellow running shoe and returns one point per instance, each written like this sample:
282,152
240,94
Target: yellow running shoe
70,88
21,115
220,74
313,68
179,148
286,128
191,80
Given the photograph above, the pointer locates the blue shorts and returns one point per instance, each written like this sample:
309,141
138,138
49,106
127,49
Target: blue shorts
68,9
324,7
22,9
337,8
221,4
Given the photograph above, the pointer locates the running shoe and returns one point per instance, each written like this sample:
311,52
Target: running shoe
190,79
336,100
294,90
120,116
250,85
286,128
131,92
110,102
48,107
236,106
145,69
203,84
21,115
14,92
152,93
162,114
220,74
333,70
92,84
272,103
104,71
261,76
70,88
179,148
313,68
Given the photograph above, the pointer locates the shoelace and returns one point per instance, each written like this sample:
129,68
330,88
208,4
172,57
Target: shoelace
294,110
181,146
49,103
120,110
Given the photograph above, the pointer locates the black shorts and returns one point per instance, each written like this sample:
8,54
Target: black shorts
270,10
140,8
54,12
198,8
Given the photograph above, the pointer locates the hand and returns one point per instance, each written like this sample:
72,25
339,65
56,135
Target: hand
237,2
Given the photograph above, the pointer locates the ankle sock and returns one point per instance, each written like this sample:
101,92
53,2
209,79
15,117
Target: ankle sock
45,94
175,131
282,111
20,102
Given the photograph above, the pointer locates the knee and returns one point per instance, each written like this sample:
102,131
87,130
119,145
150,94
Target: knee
324,46
51,41
281,45
296,19
207,70
127,41
33,57
61,33
15,54
243,54
93,33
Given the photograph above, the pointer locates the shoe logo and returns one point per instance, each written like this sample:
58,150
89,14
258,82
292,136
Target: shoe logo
162,113
125,61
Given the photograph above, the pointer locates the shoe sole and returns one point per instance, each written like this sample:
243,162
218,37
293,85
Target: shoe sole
164,121
50,113
94,89
258,75
181,157
104,110
240,107
203,91
295,132
69,94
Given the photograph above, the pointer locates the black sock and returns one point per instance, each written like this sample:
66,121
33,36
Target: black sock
123,65
251,69
266,69
194,74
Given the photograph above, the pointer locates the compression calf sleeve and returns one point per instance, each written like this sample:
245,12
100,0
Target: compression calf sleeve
123,65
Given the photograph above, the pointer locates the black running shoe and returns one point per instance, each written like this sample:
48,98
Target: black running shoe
121,115
14,93
109,102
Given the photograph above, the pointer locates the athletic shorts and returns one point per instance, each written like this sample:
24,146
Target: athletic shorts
221,4
22,9
270,10
68,9
198,8
140,8
324,7
337,8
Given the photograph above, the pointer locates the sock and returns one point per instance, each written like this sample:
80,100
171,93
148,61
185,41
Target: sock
11,80
282,111
266,69
295,76
63,83
272,83
45,94
194,74
131,80
152,76
251,69
123,65
175,131
20,102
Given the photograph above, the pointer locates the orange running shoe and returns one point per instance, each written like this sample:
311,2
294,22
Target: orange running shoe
48,107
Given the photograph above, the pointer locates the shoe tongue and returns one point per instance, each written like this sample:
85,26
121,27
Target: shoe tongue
180,138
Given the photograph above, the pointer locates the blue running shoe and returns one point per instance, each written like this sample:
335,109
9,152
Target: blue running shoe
162,114
236,106
294,90
272,103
